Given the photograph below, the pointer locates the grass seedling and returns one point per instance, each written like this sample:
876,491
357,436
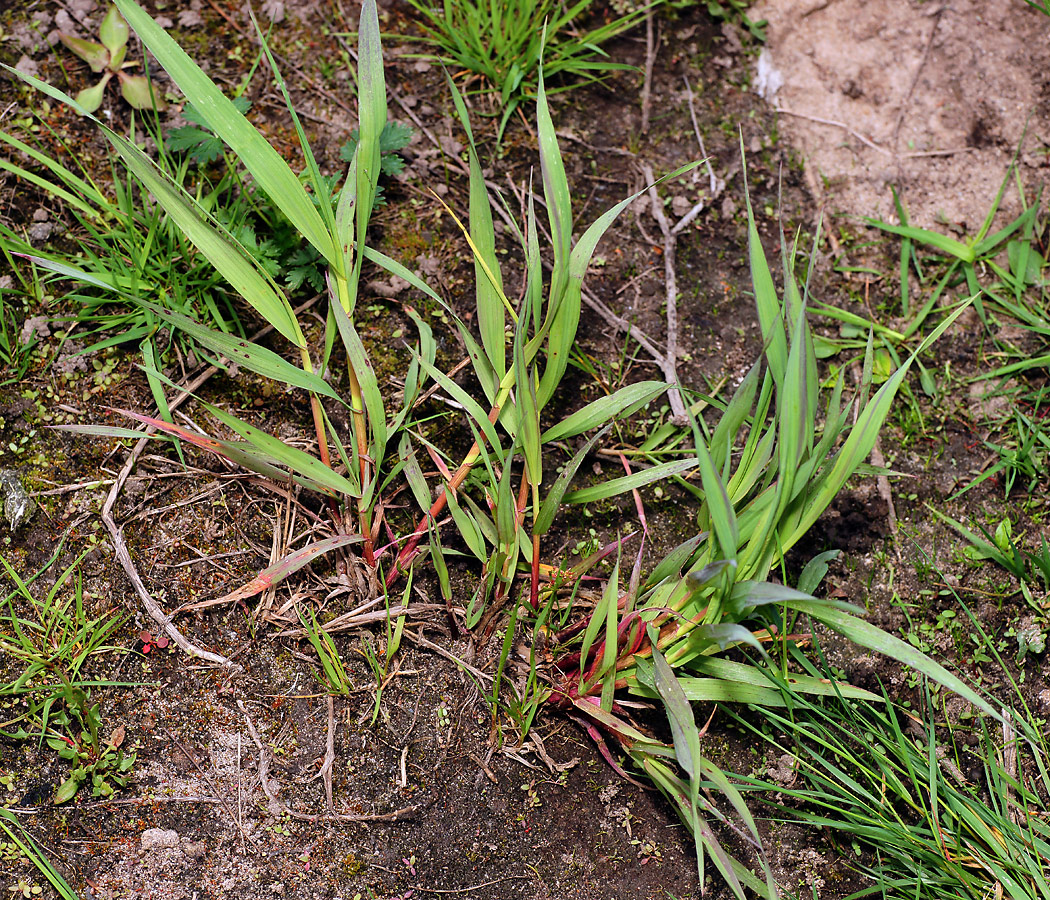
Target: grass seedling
53,639
501,44
520,380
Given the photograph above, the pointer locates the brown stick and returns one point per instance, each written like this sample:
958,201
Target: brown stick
671,286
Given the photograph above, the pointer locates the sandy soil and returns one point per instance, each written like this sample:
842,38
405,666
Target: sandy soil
930,97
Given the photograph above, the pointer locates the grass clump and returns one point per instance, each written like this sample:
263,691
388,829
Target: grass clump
52,640
767,468
936,813
501,44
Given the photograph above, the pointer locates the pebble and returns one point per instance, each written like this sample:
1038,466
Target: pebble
159,839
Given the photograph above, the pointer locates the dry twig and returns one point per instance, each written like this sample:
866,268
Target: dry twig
669,366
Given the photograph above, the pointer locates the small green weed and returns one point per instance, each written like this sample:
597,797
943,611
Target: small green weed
109,59
52,639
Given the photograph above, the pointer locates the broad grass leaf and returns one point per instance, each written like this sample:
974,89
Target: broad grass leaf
372,112
770,313
417,484
625,483
528,413
941,242
679,710
240,453
253,357
468,527
230,260
487,277
284,454
860,441
867,635
607,672
719,507
268,168
110,431
597,413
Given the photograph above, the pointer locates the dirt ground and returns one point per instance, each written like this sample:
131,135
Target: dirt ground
933,98
226,797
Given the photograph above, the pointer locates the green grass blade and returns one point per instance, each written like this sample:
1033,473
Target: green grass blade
267,166
366,376
941,242
770,314
616,486
229,259
867,635
488,280
623,402
552,502
253,357
861,439
417,484
719,507
295,459
10,825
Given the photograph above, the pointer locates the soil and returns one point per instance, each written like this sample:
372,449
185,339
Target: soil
438,797
934,99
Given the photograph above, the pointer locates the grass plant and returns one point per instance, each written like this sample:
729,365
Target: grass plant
767,472
501,44
767,467
52,641
936,816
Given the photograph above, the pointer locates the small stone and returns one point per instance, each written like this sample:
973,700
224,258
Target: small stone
33,327
680,205
17,504
81,9
194,849
40,232
40,214
64,22
27,65
159,839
